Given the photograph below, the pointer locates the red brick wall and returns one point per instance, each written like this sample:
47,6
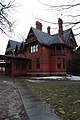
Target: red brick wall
48,60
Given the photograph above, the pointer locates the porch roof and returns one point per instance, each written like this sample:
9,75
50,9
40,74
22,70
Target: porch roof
8,57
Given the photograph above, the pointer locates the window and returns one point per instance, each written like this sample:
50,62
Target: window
38,63
62,47
30,64
34,48
58,63
69,62
63,63
31,49
18,65
23,66
58,47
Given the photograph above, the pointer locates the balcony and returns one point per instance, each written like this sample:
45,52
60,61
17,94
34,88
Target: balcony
57,52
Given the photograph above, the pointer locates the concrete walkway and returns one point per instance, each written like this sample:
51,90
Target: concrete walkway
35,109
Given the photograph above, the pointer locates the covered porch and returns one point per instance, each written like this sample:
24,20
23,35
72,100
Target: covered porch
15,65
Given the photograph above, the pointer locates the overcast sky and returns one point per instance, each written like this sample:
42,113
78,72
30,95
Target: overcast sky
25,15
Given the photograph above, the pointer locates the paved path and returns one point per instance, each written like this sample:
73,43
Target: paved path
35,109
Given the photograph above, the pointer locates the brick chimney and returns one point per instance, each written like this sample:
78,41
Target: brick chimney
48,29
60,23
39,25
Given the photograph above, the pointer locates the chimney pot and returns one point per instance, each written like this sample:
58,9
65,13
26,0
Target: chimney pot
38,25
60,23
48,29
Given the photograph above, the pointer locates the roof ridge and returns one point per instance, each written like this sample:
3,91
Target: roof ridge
14,41
41,31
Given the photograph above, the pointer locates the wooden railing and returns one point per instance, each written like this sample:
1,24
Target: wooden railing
57,52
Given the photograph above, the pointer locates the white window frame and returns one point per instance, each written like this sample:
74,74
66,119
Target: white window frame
34,48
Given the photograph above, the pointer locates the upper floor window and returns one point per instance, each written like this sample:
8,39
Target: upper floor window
30,64
34,48
59,63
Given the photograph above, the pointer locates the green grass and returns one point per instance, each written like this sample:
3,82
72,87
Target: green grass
63,97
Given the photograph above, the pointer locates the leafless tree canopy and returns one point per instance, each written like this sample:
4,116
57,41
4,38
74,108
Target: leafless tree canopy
71,13
5,11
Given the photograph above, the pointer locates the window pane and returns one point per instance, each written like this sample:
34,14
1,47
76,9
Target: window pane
38,63
69,62
36,48
18,65
58,63
63,63
31,49
30,64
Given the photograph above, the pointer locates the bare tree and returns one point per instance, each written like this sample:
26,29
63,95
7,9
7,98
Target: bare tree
20,36
71,12
6,8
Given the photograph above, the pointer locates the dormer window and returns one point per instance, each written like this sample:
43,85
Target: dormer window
34,48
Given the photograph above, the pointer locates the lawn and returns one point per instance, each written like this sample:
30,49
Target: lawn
62,96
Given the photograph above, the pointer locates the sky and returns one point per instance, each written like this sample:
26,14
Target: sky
26,15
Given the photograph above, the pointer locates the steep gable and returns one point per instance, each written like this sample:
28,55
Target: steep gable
69,38
31,36
65,37
44,38
12,45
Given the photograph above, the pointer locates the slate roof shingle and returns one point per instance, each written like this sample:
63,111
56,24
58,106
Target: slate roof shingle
13,45
47,39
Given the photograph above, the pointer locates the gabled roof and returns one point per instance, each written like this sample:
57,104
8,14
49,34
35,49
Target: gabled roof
12,58
12,45
67,33
47,39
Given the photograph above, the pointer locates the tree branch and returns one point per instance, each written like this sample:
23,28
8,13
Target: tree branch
5,21
61,6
